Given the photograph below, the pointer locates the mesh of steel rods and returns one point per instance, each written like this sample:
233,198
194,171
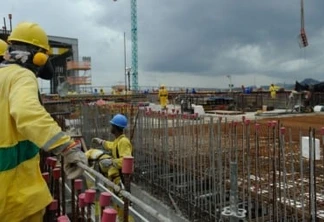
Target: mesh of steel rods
186,162
95,120
74,204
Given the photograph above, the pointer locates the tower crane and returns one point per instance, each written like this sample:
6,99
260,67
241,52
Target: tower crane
134,67
302,35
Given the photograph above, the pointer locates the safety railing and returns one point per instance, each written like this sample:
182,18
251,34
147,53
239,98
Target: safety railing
73,202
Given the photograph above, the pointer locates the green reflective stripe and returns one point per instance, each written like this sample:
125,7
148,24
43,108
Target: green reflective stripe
11,157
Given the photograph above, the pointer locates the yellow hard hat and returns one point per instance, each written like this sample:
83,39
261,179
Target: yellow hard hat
162,86
30,33
3,47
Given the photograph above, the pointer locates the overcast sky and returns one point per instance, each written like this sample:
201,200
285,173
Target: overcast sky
188,42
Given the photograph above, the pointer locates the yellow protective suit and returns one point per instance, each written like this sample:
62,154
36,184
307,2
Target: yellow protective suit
120,147
124,149
94,156
273,91
163,96
26,128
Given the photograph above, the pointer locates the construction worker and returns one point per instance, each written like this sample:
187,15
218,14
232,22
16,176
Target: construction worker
24,193
307,101
3,49
119,148
163,96
273,91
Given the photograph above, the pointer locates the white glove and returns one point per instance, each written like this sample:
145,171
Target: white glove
72,156
106,163
98,141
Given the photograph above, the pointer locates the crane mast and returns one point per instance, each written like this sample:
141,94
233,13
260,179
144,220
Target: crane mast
134,45
134,68
302,35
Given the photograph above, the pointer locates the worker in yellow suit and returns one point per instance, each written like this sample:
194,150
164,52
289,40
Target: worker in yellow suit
3,49
273,91
119,148
163,97
28,128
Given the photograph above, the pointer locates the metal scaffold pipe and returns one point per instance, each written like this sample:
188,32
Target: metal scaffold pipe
125,194
233,212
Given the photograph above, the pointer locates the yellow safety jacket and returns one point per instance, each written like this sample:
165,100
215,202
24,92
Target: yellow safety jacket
120,147
26,127
94,156
163,96
273,91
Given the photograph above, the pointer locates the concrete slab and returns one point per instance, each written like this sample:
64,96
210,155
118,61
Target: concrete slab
156,204
225,112
274,112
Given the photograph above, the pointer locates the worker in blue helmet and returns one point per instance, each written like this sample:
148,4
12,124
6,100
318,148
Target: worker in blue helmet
119,148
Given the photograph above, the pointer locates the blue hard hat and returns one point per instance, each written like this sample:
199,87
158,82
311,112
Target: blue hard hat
119,120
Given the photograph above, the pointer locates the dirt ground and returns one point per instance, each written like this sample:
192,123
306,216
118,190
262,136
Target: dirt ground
300,123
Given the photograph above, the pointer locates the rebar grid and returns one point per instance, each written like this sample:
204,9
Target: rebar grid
186,163
189,160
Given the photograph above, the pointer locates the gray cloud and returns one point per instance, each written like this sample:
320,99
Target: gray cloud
195,37
205,39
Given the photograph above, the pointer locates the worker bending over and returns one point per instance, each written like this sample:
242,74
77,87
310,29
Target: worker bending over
163,97
28,127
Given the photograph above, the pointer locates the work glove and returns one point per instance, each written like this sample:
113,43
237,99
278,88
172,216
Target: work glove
98,141
73,155
106,163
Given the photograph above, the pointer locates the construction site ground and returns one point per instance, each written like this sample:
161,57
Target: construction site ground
300,121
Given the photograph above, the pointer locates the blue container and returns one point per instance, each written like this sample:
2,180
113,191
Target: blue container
248,90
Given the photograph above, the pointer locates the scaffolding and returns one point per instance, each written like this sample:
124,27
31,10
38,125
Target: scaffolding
73,71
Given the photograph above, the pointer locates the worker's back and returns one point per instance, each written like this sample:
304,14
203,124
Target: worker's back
8,76
22,187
